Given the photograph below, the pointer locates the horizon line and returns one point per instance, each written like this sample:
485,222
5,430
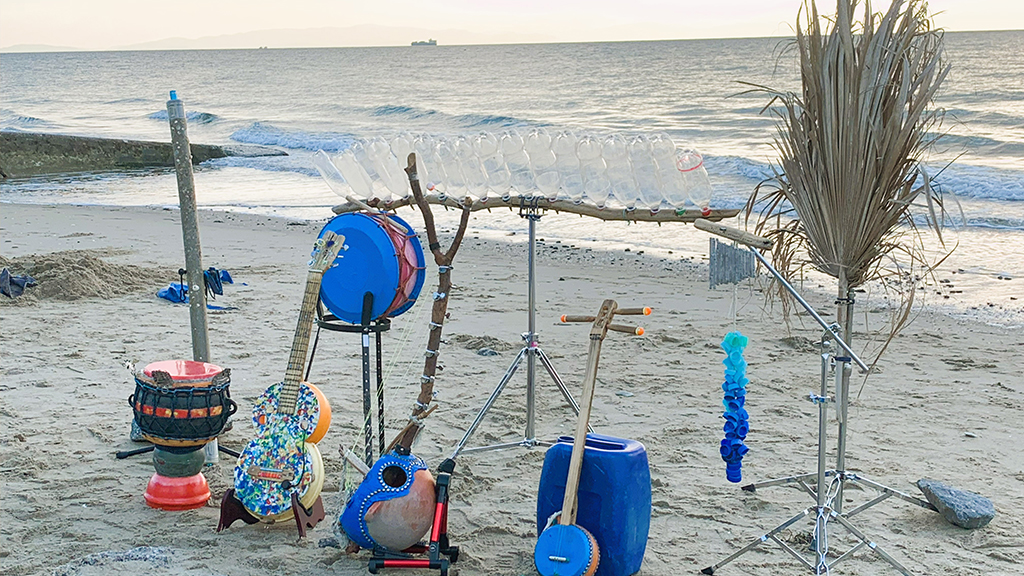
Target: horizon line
69,49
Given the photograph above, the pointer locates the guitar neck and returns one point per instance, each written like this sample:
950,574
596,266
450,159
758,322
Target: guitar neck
300,345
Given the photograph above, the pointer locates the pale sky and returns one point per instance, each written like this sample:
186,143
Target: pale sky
104,24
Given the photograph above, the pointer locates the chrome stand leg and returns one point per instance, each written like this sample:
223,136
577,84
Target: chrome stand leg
531,351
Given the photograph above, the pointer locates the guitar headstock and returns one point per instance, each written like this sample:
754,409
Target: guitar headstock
325,250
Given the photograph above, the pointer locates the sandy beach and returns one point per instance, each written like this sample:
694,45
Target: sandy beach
945,404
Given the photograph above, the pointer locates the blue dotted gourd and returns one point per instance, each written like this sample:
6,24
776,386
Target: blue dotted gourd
736,418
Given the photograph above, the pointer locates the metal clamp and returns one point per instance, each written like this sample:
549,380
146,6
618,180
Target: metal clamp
815,399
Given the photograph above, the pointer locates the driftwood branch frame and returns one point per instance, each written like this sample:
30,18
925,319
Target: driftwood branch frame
513,203
438,313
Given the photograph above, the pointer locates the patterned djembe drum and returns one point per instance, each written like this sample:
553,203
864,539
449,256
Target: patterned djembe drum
179,406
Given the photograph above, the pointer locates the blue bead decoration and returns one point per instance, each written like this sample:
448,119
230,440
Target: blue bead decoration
735,389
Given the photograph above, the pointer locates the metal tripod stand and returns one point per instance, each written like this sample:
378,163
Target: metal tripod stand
531,351
828,484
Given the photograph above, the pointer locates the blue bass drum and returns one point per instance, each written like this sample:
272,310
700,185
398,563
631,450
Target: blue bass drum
379,259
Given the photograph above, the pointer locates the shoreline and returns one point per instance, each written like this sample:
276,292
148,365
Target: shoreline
969,291
944,405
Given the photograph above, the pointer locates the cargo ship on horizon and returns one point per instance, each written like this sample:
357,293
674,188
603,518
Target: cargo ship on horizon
430,42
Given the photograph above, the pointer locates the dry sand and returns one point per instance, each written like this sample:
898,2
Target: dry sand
945,405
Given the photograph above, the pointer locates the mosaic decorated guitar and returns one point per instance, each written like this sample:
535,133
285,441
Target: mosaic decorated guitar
283,459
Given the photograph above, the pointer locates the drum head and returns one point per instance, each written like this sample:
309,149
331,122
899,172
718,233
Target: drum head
184,371
368,264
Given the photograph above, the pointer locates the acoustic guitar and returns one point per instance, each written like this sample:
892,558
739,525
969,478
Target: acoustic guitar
283,459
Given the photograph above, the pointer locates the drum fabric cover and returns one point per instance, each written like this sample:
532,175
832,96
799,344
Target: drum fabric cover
378,258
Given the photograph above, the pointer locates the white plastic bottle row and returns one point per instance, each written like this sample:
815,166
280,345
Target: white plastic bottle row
636,171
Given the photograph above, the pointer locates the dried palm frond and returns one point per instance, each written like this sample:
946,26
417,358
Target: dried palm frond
851,146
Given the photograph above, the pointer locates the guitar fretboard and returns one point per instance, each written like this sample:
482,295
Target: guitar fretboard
288,400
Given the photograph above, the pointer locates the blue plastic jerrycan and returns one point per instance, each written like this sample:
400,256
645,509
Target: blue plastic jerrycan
614,497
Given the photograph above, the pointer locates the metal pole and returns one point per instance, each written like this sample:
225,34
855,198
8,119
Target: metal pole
380,393
819,526
189,229
845,313
531,337
190,236
839,340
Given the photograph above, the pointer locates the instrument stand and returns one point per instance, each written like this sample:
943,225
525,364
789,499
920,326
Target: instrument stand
330,322
231,509
531,351
440,553
128,453
828,484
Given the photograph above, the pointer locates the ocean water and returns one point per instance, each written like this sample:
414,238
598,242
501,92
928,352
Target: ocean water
303,100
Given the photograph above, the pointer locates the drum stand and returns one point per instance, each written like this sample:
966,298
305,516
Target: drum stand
367,327
531,351
827,489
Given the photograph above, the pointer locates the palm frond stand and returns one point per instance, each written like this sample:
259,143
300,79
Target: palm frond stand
824,485
851,146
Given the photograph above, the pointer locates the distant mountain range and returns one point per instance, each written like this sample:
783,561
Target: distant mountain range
38,48
351,36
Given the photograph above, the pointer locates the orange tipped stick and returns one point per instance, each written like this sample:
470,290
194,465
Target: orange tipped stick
634,330
577,318
645,311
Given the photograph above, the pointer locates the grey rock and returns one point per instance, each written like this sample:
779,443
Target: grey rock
329,542
959,507
487,352
146,554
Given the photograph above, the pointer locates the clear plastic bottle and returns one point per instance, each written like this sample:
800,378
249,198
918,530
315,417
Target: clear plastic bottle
360,150
472,169
386,165
330,173
455,182
615,152
517,161
354,174
401,147
499,179
670,180
645,172
593,170
695,178
570,182
428,164
542,162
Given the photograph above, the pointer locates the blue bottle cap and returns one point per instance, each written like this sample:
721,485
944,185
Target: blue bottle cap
174,94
